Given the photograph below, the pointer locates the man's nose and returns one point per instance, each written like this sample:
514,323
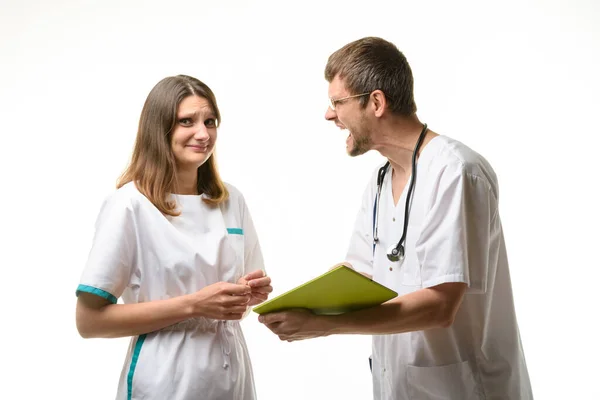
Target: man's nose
330,114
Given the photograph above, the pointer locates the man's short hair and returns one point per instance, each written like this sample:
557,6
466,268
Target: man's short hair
372,63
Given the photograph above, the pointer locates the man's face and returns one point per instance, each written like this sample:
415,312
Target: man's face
348,114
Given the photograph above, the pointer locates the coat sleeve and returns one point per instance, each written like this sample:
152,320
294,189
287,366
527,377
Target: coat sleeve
110,261
454,244
253,258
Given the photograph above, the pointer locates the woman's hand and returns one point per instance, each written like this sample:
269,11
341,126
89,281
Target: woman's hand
260,285
222,301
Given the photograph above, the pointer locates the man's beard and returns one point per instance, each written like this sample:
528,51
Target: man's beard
360,146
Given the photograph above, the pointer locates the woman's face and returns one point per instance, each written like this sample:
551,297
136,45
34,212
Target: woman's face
195,133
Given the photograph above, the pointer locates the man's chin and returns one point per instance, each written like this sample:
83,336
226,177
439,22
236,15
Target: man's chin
355,151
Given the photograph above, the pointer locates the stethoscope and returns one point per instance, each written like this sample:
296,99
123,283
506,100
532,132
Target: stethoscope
396,252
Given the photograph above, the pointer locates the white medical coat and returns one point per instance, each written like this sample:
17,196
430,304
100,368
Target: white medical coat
454,235
141,255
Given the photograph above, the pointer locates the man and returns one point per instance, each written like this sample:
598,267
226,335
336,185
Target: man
436,240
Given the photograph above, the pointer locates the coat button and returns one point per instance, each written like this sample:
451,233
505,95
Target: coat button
391,268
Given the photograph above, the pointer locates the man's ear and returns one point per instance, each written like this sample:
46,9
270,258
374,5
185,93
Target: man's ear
379,102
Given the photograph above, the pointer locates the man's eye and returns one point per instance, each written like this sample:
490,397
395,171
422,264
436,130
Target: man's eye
210,123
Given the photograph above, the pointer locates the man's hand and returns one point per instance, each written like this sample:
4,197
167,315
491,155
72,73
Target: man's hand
260,285
293,325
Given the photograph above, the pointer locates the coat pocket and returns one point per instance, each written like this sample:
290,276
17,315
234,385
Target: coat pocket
236,240
446,382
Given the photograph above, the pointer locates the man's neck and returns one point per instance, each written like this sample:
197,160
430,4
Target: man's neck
397,141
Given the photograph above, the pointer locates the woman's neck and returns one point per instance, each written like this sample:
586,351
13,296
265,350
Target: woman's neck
187,182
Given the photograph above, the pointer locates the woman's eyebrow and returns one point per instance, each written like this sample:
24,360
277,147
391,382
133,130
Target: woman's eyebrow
187,114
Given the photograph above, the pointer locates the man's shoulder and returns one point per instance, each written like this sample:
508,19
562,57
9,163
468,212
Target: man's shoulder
453,155
452,150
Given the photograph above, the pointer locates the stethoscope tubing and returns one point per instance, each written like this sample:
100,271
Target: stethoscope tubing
396,252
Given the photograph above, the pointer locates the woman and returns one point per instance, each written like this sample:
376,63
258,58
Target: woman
179,247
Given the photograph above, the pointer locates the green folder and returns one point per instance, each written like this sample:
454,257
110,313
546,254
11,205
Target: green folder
335,292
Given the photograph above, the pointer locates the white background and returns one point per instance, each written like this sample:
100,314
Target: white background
515,80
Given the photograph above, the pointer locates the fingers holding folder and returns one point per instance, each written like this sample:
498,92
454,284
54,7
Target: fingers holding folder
293,325
296,314
347,264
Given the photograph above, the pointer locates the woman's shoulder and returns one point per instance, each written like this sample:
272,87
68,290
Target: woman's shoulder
125,197
234,192
235,202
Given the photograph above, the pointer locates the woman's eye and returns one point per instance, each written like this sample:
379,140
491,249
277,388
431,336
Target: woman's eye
186,122
210,123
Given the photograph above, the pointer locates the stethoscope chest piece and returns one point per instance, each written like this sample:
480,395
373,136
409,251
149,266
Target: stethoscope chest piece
395,254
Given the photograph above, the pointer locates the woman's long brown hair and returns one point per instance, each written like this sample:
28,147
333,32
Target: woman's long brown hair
152,167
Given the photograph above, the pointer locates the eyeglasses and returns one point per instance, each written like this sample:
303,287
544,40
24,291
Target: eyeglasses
332,101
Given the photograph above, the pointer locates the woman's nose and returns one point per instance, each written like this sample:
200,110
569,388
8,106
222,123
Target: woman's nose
201,134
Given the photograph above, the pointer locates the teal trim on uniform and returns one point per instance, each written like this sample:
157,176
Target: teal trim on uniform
97,292
134,360
235,231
